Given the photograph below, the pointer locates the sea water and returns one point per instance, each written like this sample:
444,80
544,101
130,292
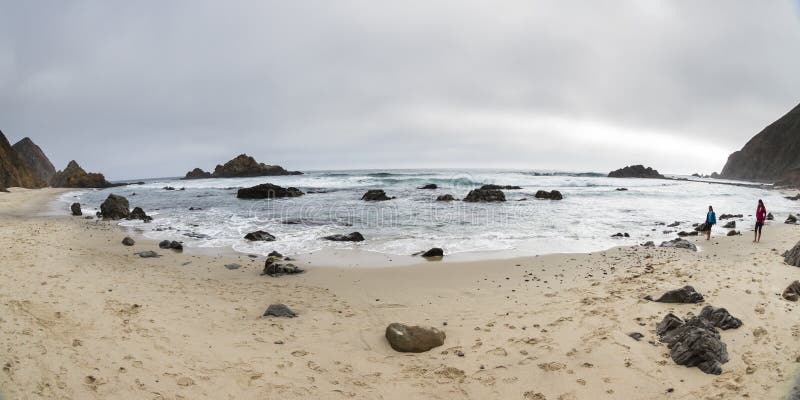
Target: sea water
585,220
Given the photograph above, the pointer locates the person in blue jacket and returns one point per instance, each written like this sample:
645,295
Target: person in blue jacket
711,220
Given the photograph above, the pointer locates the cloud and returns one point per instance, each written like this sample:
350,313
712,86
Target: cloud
139,89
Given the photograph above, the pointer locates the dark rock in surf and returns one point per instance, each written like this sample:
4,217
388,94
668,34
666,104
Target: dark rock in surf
674,224
686,294
621,189
551,195
375,195
704,227
350,237
791,219
730,216
267,191
485,196
445,197
730,225
413,339
115,207
76,209
635,171
734,232
434,253
274,253
770,217
138,213
259,236
684,233
499,187
246,166
279,310
429,186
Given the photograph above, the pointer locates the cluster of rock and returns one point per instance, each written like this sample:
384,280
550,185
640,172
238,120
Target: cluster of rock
267,191
116,207
239,167
350,237
485,196
171,245
696,341
635,171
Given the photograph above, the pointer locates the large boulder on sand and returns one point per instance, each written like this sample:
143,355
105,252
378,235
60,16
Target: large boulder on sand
792,293
435,252
485,196
279,310
375,195
267,191
115,207
413,339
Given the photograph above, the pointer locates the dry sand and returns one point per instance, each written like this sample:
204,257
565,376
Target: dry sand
82,317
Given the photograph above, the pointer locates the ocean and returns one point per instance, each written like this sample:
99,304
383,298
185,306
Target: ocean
584,221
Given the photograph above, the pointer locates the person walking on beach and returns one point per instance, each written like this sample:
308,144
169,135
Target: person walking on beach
711,220
761,216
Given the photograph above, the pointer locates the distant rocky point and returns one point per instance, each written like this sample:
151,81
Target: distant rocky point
35,159
240,167
75,177
635,171
773,155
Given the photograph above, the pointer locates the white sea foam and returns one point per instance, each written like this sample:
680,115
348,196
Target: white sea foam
592,210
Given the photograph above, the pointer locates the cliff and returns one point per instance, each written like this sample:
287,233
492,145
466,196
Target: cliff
771,155
13,170
35,159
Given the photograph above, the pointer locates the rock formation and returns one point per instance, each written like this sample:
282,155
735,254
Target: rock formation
485,196
686,294
551,195
197,173
14,172
350,237
635,171
267,191
115,207
35,159
75,177
375,195
694,343
771,155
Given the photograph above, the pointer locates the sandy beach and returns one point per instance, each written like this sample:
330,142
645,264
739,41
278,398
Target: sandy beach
82,317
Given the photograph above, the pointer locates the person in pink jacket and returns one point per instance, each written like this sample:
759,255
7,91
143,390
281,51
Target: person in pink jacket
761,216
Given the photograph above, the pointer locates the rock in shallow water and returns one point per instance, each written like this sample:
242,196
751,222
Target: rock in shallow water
445,197
413,339
279,310
115,207
76,209
350,237
267,191
375,195
138,213
259,236
485,196
551,195
433,253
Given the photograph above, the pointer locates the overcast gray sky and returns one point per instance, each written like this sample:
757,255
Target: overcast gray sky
152,88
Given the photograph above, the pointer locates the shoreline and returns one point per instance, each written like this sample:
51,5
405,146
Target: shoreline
182,325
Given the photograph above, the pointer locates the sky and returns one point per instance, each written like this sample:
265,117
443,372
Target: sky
138,89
